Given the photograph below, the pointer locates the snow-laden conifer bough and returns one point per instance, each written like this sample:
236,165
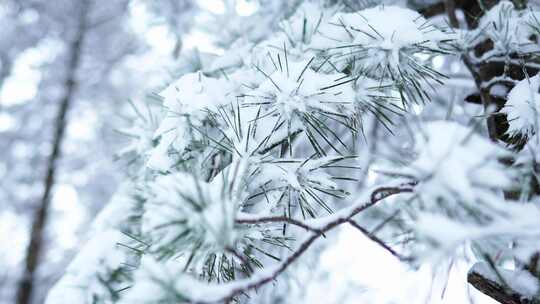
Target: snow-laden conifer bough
338,117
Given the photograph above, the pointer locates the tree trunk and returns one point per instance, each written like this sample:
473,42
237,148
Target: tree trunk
35,246
482,73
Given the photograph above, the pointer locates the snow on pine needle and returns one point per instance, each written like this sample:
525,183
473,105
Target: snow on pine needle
300,187
191,223
522,107
300,96
181,200
254,158
107,259
185,102
448,172
489,233
459,197
508,29
301,27
384,42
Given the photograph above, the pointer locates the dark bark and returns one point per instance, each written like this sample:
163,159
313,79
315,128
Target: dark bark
485,72
35,246
450,7
377,196
471,9
495,291
482,73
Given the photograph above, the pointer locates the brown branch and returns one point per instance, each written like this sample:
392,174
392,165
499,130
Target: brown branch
494,289
262,280
314,225
276,219
485,97
450,8
432,10
316,231
35,246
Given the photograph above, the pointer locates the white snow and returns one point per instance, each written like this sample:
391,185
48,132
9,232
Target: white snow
508,221
298,89
447,169
81,280
508,28
151,281
454,165
522,107
185,102
303,25
386,32
179,203
99,255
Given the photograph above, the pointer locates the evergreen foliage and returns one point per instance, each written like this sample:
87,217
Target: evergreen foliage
250,159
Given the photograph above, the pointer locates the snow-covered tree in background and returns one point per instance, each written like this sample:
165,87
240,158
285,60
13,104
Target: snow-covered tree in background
413,122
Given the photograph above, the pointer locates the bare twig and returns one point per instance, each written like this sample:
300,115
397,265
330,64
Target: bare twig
275,219
379,242
315,225
316,228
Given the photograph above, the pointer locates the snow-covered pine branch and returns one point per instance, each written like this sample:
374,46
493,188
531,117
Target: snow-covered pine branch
288,135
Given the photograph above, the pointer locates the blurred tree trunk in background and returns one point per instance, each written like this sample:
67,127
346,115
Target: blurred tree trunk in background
34,250
60,133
